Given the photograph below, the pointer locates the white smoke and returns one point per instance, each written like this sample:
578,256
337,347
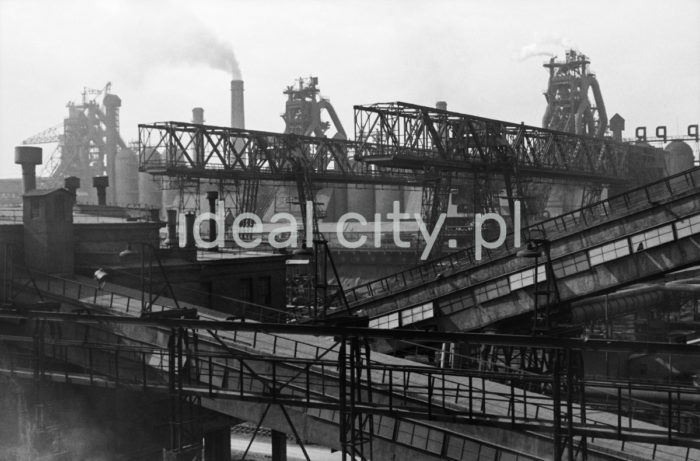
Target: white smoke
158,34
194,43
548,46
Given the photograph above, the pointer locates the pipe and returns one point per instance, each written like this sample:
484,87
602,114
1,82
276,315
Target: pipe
29,157
101,183
212,196
189,230
237,104
172,228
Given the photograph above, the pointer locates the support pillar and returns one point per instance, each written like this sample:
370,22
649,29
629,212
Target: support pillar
189,230
217,445
279,446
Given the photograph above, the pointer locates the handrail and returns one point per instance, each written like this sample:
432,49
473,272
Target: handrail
632,200
88,291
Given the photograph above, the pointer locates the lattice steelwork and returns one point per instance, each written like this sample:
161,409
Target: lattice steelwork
410,136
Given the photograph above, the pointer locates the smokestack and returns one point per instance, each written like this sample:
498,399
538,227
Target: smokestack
101,183
29,157
198,115
237,109
72,183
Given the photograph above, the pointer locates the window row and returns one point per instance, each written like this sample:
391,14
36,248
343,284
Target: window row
403,318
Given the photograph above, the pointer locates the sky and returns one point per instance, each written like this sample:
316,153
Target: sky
484,58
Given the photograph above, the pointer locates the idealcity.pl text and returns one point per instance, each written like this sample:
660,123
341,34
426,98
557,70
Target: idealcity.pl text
285,234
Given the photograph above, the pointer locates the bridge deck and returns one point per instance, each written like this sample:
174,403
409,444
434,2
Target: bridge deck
236,372
640,234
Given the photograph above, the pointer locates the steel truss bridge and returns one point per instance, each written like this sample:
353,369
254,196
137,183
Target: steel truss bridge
397,144
638,235
326,375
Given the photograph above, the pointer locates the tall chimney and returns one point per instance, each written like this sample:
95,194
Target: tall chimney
29,157
198,115
237,109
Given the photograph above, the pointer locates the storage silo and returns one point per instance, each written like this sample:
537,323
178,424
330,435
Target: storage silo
679,157
126,171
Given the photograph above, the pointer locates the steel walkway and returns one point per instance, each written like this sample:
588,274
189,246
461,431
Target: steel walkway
466,415
640,234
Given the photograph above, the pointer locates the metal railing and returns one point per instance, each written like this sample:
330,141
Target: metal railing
575,221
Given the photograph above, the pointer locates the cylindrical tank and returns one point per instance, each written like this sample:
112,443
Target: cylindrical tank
127,169
679,157
29,157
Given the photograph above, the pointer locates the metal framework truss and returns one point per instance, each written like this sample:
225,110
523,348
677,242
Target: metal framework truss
338,377
201,151
406,135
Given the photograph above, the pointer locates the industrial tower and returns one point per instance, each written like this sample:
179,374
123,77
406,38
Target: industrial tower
569,107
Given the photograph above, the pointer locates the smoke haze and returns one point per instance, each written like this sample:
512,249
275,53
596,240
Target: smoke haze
548,46
172,36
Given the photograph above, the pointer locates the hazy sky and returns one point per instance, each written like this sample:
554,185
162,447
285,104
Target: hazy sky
164,58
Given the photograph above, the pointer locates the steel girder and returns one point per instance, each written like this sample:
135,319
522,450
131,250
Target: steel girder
406,135
397,143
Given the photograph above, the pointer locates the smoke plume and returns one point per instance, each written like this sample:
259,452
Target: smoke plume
548,46
195,44
158,35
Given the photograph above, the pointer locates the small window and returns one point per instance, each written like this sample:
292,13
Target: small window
688,226
416,314
527,277
608,252
652,238
570,265
385,321
492,290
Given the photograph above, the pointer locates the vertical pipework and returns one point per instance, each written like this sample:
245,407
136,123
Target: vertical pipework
212,197
172,228
189,230
237,106
101,183
112,104
29,157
